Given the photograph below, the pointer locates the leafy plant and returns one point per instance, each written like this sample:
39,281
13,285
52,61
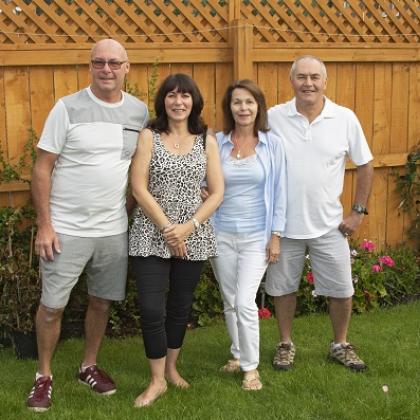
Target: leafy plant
208,303
408,187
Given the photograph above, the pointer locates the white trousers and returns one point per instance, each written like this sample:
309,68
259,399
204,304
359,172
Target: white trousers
239,269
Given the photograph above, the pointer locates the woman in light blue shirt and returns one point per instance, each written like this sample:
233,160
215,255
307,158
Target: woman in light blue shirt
250,220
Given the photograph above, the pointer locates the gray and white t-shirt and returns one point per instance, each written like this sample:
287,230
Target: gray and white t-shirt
95,141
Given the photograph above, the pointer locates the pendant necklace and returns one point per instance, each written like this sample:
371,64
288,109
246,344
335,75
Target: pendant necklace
176,145
238,153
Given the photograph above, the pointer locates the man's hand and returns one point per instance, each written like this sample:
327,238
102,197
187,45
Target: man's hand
350,223
46,242
273,249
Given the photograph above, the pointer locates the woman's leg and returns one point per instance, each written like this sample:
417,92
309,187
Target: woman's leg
252,264
225,268
183,278
151,276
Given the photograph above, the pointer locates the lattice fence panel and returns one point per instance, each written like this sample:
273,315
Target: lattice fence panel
41,22
370,21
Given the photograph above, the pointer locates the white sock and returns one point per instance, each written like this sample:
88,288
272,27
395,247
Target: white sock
38,375
337,345
83,368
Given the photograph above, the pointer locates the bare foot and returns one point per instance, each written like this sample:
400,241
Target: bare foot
150,394
176,379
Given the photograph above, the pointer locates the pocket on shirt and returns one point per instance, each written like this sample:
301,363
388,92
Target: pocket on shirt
130,136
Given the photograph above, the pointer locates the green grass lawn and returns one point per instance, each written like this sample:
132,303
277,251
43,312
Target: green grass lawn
388,341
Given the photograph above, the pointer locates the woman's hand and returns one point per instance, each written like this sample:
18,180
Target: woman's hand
204,193
179,251
273,249
176,234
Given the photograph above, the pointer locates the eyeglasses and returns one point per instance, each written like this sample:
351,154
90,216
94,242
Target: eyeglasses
112,64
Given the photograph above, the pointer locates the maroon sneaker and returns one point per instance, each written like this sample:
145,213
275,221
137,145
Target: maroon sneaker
39,399
98,380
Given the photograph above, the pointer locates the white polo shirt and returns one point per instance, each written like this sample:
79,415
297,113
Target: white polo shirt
316,156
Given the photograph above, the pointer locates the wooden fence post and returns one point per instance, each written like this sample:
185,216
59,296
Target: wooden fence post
242,50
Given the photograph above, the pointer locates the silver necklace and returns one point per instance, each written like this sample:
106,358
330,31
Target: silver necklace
235,144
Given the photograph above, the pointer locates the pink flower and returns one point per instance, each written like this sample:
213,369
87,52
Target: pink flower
310,277
386,260
376,268
264,313
367,245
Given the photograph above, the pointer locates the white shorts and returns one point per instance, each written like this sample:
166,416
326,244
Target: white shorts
330,261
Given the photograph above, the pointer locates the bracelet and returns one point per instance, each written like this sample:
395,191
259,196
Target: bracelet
276,233
196,223
164,227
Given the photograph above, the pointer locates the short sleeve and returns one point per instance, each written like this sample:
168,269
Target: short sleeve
359,151
53,137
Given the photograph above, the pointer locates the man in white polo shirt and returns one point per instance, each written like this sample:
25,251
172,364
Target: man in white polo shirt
318,137
78,187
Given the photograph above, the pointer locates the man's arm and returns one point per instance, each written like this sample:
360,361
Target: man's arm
364,176
46,241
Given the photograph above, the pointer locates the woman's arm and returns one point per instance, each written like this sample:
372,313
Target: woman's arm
215,186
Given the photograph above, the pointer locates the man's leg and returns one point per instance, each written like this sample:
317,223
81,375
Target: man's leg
330,260
340,313
48,326
282,283
95,325
285,307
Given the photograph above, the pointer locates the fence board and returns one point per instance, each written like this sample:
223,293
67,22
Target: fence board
284,89
83,76
332,81
42,95
382,109
3,136
394,217
364,96
346,81
204,75
18,113
224,76
267,80
377,210
65,81
399,105
414,107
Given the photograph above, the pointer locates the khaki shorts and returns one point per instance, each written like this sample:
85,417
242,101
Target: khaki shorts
330,261
103,259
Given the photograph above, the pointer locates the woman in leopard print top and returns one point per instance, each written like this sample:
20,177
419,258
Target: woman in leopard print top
171,236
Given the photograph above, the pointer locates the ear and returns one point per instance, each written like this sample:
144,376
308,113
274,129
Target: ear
127,68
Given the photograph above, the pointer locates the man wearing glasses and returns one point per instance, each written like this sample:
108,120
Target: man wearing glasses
78,187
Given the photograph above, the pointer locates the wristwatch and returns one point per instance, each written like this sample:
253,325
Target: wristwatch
275,233
358,208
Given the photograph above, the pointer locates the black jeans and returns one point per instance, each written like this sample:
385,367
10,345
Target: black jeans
163,329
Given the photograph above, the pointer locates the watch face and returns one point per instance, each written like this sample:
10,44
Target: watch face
359,209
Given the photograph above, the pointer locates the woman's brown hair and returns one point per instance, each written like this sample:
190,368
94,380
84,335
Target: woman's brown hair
261,121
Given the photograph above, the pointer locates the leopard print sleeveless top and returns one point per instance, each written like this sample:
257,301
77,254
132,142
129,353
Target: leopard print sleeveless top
174,182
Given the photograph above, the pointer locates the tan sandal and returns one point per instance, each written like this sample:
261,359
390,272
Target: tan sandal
253,383
232,366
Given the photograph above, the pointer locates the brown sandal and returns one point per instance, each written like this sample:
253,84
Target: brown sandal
232,366
253,383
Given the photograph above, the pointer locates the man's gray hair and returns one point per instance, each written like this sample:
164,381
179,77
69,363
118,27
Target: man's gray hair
308,57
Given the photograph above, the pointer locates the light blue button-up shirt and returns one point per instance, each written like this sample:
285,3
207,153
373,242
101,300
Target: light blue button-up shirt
270,152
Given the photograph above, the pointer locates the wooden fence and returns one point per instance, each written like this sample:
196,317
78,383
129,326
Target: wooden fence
370,48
